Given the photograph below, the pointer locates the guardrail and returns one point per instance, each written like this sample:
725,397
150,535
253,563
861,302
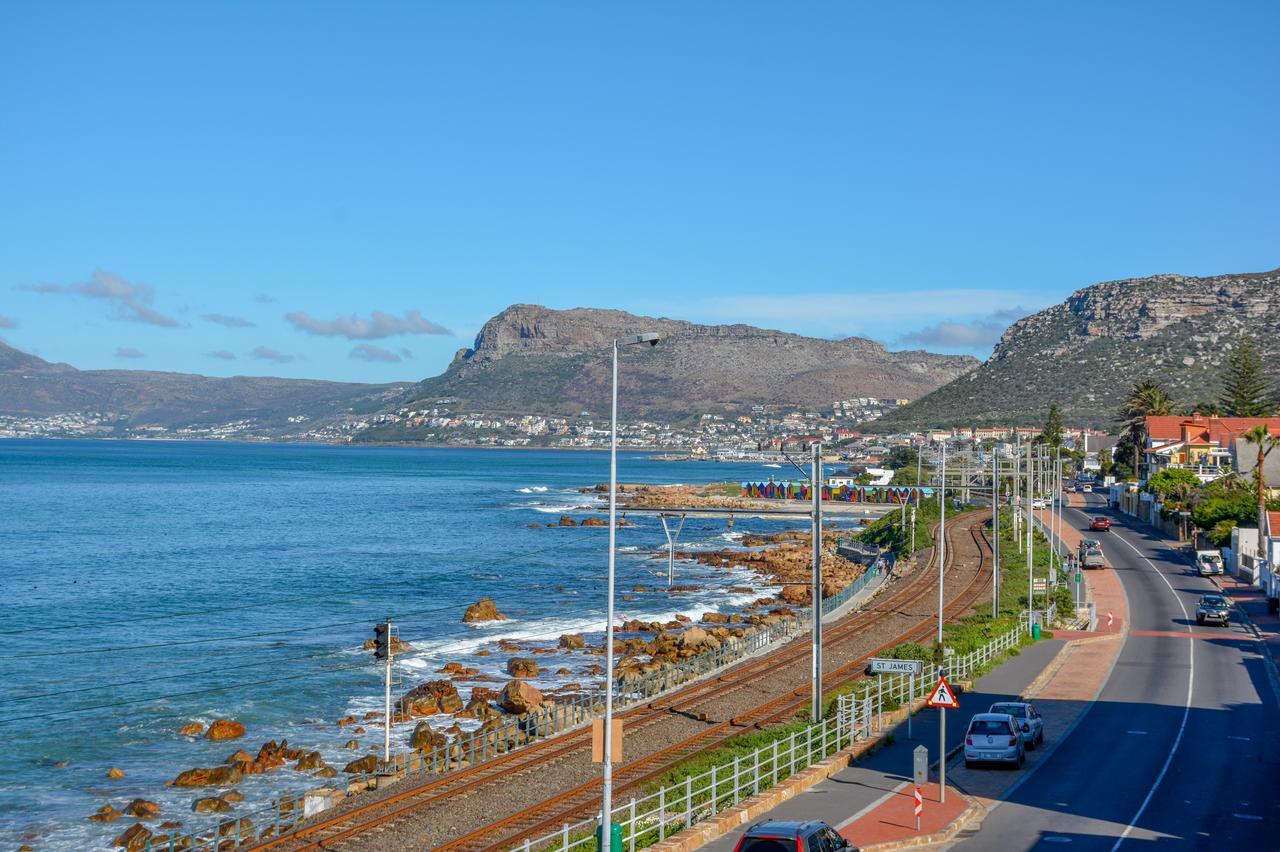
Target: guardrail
648,819
466,750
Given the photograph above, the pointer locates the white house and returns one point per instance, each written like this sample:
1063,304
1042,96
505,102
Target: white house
1269,576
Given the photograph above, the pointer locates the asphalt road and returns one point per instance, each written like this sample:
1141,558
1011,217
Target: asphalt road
1181,750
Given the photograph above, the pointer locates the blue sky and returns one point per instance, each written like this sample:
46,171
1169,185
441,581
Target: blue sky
349,191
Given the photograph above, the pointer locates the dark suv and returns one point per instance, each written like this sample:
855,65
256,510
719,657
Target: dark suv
792,836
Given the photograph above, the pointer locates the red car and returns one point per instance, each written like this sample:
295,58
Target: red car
1100,523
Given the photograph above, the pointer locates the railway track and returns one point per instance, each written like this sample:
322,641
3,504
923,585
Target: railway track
968,553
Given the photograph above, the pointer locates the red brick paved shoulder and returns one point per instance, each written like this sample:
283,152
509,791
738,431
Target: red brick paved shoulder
894,818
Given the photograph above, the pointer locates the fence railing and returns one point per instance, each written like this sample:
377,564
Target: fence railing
469,749
648,819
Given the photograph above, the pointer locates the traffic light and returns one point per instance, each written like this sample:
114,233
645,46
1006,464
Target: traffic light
382,641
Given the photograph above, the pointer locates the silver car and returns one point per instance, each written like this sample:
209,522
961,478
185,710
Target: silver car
1093,559
1026,717
993,738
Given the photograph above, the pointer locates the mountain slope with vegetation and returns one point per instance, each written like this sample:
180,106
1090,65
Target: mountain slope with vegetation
1086,353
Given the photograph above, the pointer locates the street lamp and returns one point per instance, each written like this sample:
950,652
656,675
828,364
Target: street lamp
606,808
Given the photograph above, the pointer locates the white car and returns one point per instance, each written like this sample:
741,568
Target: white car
1086,488
1037,503
1208,562
993,738
1026,717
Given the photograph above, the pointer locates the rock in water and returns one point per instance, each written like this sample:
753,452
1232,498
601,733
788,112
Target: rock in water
518,696
366,764
572,641
106,813
795,594
430,698
310,760
211,805
134,838
115,772
142,809
566,521
483,610
595,522
208,777
522,667
425,738
195,729
225,729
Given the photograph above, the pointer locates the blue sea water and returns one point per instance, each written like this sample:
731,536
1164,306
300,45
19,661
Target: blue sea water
151,584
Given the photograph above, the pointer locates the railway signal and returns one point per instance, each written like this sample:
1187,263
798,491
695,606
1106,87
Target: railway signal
382,651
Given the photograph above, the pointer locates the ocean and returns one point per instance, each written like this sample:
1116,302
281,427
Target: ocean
151,584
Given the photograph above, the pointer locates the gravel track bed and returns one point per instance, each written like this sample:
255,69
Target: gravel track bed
431,825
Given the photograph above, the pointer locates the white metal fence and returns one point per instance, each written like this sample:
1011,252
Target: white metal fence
858,715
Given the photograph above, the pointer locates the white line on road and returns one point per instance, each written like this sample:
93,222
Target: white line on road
1186,710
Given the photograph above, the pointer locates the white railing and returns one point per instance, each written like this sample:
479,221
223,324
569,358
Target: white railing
648,819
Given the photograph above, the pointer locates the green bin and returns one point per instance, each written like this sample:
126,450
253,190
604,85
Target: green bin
615,837
1035,632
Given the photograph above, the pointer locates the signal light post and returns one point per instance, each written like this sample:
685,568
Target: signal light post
382,651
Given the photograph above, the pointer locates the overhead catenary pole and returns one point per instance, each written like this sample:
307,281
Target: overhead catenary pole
816,494
995,533
1031,473
942,564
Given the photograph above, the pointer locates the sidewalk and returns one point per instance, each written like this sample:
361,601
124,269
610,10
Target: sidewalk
871,802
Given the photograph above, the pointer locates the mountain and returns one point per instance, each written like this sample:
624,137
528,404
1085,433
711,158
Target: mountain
129,399
533,359
1086,353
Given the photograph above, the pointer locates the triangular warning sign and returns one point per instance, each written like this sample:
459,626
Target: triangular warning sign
943,696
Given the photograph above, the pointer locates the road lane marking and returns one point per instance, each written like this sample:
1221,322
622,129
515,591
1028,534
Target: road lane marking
1246,816
1242,739
1057,839
1186,710
1139,732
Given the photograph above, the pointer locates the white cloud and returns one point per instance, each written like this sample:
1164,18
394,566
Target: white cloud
379,325
369,352
266,353
129,352
976,334
130,302
228,321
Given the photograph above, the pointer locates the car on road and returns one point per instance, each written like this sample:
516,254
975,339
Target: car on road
993,738
1026,717
1213,608
1208,562
1087,544
1037,503
1086,488
1100,523
776,835
1093,558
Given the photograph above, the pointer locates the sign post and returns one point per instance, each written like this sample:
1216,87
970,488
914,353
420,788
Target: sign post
919,808
943,697
920,765
878,665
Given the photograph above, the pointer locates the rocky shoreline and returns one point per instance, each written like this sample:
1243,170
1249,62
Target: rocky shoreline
462,700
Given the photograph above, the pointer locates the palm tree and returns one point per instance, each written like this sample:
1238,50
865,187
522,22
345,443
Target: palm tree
1146,399
1261,438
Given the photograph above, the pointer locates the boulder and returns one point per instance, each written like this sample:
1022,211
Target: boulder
195,729
795,594
211,805
519,696
106,813
566,521
326,772
481,709
694,637
484,693
572,641
367,764
398,645
241,756
430,698
208,777
522,667
425,738
594,522
483,610
352,745
134,838
142,809
225,729
310,760
115,772
233,796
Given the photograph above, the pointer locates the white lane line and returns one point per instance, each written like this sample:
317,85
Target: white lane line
1246,816
1143,733
1186,710
1242,739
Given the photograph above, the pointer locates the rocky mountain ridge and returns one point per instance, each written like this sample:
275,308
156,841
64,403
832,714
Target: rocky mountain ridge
530,358
1086,352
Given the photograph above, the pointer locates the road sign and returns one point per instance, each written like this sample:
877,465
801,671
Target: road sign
1079,577
920,765
877,665
943,695
1110,618
1039,585
919,807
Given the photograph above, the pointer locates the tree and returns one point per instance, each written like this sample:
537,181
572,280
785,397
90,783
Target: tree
1265,442
1246,392
1104,462
1146,399
1052,433
1167,483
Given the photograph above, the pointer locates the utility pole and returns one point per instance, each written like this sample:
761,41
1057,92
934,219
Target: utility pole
942,539
671,543
816,489
1017,489
1031,474
995,534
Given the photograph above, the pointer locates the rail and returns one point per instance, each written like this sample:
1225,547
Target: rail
484,744
648,819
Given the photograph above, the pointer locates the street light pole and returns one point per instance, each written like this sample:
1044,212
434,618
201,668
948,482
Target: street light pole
816,489
942,537
995,533
606,805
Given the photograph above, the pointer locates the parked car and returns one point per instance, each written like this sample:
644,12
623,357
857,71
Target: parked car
1086,488
1208,562
1093,558
993,738
792,836
1026,717
1101,523
1213,608
1087,544
1037,503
